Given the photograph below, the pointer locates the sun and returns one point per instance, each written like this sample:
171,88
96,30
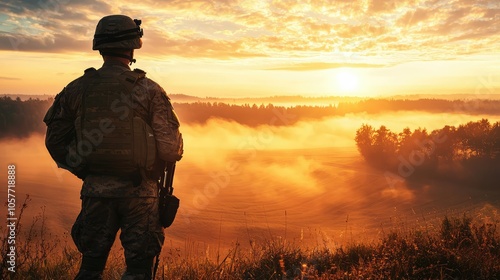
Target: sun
347,82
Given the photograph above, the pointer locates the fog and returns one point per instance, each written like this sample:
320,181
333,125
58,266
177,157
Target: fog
304,182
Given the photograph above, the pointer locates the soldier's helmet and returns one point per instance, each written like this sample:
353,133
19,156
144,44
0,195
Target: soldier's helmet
117,32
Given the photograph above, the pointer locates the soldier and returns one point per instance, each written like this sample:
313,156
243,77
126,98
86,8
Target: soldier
115,129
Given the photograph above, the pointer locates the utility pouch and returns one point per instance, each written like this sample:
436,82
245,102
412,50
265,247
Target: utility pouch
51,112
168,209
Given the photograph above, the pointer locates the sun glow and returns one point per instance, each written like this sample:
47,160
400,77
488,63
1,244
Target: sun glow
347,82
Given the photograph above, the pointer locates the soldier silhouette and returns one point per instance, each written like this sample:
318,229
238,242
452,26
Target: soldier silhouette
115,129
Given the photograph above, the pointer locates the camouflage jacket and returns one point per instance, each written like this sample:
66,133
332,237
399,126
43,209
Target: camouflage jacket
148,101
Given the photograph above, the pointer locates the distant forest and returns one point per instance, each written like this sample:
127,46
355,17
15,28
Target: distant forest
20,118
468,154
254,115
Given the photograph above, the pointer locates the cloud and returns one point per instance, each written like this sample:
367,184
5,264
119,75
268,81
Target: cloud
158,43
311,66
245,29
50,25
9,78
382,5
414,17
43,43
66,8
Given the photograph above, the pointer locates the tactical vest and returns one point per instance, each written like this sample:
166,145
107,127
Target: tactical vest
111,139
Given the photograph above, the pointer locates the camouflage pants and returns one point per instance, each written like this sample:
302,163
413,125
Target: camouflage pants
141,235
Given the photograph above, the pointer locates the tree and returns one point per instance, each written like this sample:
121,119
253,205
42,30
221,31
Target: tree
446,146
494,139
364,140
472,139
386,142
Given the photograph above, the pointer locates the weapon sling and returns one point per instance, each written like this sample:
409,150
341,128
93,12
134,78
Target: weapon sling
168,203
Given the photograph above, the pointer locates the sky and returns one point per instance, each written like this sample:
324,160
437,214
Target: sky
238,48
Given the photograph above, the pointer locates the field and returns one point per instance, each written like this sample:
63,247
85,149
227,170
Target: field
460,247
278,202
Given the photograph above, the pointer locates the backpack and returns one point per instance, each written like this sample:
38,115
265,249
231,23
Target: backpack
110,138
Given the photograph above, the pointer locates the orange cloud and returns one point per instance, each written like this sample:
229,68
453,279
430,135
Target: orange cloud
242,29
307,66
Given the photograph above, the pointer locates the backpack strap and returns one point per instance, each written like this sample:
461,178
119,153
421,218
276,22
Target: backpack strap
140,71
127,78
130,78
90,72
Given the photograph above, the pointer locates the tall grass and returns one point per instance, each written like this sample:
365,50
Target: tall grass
39,253
461,248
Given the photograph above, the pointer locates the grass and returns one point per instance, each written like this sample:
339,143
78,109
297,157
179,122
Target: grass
39,254
461,248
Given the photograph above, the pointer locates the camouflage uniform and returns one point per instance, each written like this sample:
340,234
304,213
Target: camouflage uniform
110,203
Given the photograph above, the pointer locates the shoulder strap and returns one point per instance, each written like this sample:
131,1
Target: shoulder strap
140,71
130,78
51,112
90,72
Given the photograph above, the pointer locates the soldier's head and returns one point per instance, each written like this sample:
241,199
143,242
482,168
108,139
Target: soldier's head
118,36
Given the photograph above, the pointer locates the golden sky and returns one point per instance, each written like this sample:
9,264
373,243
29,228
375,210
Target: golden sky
261,48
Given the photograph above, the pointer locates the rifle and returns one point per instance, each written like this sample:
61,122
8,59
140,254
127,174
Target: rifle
168,203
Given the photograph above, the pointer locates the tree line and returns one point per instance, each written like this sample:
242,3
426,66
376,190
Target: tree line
469,153
475,106
253,115
21,118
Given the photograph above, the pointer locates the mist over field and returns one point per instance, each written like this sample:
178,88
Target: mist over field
303,181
